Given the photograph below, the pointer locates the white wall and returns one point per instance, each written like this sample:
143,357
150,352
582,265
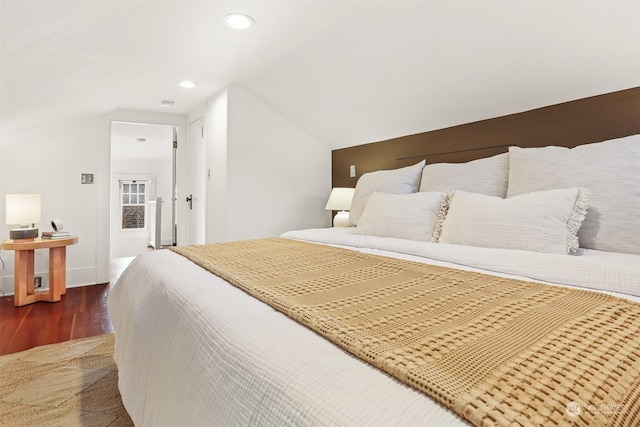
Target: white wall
268,176
216,188
49,160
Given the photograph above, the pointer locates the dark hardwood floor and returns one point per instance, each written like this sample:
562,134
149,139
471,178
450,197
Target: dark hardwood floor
82,312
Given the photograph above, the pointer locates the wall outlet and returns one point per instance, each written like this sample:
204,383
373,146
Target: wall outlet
37,282
87,178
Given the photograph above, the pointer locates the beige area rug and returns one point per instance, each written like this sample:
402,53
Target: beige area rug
74,383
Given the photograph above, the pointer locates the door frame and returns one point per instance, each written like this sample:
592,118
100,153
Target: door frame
197,173
103,180
176,172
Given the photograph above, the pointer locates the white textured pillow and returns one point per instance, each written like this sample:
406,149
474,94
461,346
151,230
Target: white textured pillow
610,170
404,216
485,176
544,221
396,181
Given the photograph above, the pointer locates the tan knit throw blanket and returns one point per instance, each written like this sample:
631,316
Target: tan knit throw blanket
496,351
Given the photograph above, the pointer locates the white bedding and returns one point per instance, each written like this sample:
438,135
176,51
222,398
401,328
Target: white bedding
193,350
616,273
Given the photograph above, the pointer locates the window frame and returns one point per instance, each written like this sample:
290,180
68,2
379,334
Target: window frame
133,181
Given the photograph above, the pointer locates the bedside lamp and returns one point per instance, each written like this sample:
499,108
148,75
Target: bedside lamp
23,210
340,200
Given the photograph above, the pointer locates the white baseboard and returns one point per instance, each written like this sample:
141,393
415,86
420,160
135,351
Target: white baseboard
75,277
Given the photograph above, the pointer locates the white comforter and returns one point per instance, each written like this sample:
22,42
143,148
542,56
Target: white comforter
193,350
615,273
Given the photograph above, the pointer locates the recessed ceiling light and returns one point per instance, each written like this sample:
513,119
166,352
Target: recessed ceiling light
238,21
188,84
167,103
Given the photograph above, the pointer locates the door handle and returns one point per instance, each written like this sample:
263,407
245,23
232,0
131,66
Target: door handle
190,200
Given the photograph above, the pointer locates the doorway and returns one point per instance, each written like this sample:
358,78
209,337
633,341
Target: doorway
142,188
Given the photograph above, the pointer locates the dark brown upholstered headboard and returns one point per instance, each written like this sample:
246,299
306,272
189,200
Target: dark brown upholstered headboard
594,119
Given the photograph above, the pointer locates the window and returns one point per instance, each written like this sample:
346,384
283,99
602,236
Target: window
133,197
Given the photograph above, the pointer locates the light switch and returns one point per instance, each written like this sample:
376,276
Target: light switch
352,171
87,178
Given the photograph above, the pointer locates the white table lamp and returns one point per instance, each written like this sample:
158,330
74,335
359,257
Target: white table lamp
23,210
340,200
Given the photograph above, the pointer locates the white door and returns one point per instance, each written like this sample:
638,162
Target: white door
197,181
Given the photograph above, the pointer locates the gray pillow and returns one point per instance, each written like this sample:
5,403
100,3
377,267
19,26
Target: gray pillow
396,181
610,170
485,176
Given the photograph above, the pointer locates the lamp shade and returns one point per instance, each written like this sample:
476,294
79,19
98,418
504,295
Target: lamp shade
340,199
22,209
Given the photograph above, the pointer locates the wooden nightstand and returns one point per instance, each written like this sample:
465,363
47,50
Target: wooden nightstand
24,271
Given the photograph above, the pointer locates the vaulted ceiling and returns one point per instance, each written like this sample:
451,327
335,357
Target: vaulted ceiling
347,72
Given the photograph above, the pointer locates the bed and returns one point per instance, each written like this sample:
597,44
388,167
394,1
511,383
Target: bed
193,350
196,348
